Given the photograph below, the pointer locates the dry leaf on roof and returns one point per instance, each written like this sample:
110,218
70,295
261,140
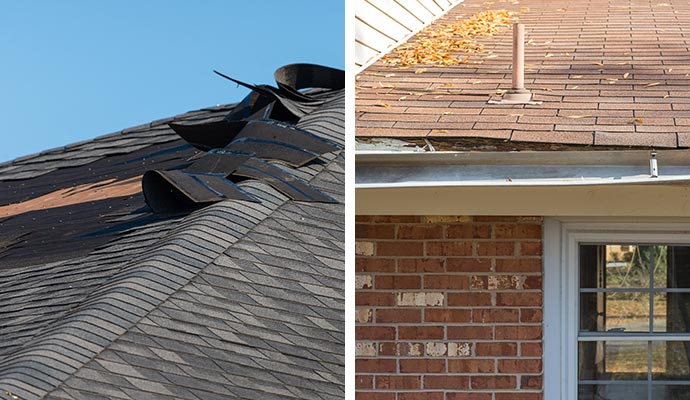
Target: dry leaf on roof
577,76
561,9
611,81
652,84
382,104
666,96
383,86
573,87
626,75
598,63
577,116
389,75
439,131
638,121
437,44
549,55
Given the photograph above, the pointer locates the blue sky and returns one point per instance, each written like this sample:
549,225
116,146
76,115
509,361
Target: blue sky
75,69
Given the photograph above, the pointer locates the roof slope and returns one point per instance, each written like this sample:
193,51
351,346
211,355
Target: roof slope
237,299
609,73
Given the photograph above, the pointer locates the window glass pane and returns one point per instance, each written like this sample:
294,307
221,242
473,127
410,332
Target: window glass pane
612,360
671,392
614,312
612,392
615,266
673,271
672,312
671,361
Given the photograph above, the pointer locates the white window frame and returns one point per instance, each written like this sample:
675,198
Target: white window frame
562,237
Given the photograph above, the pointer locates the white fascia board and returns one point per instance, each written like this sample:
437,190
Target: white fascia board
594,183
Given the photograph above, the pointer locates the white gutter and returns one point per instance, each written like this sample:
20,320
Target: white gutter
378,170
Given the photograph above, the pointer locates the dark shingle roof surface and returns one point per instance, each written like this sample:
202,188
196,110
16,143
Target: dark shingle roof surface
235,300
608,73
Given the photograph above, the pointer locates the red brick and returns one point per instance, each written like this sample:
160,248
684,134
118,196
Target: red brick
398,282
468,231
387,315
517,231
468,396
388,349
374,264
468,265
533,282
421,265
530,248
420,332
531,315
401,382
471,332
453,282
364,382
519,366
374,299
420,396
493,382
449,249
400,249
376,365
420,232
495,315
452,382
503,218
472,366
495,349
363,231
374,333
519,396
531,349
469,299
531,382
518,265
518,332
452,315
395,219
375,395
422,366
519,299
495,248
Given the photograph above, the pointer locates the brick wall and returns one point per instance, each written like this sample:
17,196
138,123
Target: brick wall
449,308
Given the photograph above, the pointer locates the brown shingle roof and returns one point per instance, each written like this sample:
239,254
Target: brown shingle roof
609,73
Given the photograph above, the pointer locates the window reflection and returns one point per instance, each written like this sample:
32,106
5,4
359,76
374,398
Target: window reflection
613,360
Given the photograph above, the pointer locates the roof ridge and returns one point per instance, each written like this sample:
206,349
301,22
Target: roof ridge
6,166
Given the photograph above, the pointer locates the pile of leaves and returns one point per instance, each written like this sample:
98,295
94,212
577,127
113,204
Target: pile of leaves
438,45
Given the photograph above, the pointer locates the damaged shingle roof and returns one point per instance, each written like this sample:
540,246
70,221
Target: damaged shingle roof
101,298
609,74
